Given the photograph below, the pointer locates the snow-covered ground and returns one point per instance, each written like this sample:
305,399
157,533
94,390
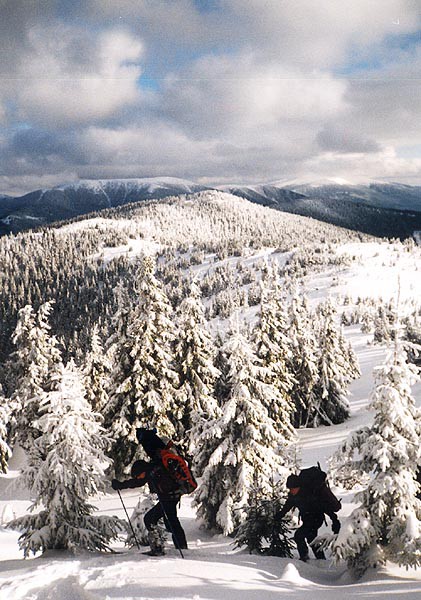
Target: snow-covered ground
212,569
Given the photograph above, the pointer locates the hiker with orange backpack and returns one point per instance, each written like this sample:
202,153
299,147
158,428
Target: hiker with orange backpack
168,476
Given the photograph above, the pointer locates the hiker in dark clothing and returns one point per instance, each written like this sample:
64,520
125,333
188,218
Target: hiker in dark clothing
311,514
161,483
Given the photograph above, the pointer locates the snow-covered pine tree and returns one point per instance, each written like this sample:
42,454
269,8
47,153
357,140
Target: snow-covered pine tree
352,365
208,441
304,362
383,325
96,373
242,443
273,351
262,532
36,361
221,383
145,503
330,405
386,524
5,451
65,467
412,333
194,359
143,390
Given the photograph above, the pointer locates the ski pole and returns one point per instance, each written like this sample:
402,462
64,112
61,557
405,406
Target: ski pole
130,523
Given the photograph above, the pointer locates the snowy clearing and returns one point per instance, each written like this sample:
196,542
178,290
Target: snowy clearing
212,569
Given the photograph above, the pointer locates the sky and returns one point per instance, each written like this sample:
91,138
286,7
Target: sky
215,91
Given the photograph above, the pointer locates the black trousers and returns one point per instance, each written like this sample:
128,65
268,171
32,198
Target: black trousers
306,534
167,510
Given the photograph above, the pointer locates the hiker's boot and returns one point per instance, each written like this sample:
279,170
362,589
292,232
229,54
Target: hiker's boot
155,542
319,554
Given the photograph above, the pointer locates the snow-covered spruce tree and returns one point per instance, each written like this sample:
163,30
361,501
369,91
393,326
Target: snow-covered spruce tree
386,524
145,503
412,333
384,325
5,451
208,442
273,351
143,389
65,467
194,358
36,361
242,443
304,362
262,532
353,370
221,383
330,403
96,373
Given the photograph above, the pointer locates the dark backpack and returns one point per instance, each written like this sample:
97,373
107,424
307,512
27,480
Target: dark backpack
178,469
314,481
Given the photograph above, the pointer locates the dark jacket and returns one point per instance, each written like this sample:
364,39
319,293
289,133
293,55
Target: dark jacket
309,505
158,479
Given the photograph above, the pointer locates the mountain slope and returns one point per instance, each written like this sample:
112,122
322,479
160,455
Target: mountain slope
385,210
66,263
42,207
395,196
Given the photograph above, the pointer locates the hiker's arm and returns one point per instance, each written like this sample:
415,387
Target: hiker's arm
128,483
336,524
287,507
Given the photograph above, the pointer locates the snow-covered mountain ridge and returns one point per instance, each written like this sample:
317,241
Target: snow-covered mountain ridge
392,210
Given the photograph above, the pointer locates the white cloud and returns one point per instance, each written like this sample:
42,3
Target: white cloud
386,104
2,112
137,149
342,138
16,185
162,149
362,166
305,33
73,77
248,91
166,23
319,34
236,96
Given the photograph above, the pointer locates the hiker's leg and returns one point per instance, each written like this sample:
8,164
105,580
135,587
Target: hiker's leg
173,524
313,529
155,537
300,539
152,517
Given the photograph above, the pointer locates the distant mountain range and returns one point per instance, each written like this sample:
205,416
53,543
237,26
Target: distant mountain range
390,210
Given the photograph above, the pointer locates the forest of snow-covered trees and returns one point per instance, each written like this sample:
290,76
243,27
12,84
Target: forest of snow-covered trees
68,267
218,348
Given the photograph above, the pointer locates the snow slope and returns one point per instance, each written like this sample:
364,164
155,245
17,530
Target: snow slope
212,569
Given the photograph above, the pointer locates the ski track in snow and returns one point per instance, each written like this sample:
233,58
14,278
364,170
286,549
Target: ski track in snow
212,570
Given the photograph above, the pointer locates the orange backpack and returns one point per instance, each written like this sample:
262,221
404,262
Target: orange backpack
178,468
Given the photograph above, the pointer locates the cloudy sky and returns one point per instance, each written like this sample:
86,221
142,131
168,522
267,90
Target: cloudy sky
217,91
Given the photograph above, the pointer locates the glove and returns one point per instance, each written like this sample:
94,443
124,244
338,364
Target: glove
117,485
336,526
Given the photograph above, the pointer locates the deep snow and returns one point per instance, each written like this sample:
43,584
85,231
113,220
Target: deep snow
212,570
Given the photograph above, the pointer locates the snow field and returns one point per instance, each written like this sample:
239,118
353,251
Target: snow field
212,570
